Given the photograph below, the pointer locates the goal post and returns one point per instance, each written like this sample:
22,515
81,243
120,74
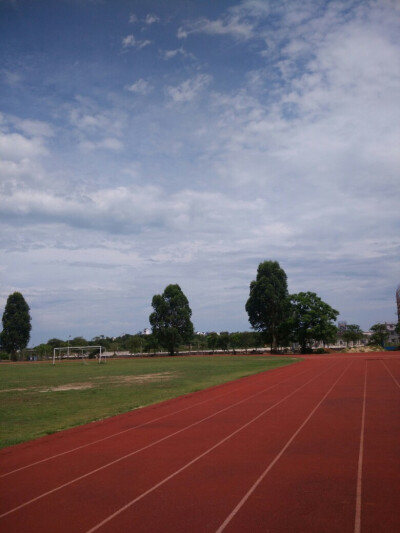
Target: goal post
76,350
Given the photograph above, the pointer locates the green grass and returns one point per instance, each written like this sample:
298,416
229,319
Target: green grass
33,402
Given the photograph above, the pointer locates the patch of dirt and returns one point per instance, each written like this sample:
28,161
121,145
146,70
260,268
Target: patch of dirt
104,380
12,390
362,349
143,378
70,386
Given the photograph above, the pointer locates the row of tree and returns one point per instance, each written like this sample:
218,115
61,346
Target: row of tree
148,343
278,318
281,319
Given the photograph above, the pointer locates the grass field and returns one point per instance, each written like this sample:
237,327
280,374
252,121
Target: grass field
38,398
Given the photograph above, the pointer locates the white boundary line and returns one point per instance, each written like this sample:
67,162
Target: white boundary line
190,463
144,423
392,376
357,520
255,485
111,463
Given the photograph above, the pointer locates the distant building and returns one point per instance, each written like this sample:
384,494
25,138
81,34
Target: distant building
393,335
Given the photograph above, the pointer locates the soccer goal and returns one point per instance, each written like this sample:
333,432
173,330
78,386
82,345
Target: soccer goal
76,352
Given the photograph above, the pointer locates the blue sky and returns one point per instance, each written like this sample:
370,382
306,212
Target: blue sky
148,143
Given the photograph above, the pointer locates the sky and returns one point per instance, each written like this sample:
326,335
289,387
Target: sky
144,143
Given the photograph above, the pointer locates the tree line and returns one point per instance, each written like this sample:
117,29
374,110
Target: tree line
140,342
278,318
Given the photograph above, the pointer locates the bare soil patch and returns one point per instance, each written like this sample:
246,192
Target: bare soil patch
143,378
103,380
13,390
70,386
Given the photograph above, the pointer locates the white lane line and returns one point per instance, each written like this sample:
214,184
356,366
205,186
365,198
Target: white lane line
111,463
276,459
390,373
196,459
357,521
51,457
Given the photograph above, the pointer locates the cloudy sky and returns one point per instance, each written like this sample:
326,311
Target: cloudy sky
144,143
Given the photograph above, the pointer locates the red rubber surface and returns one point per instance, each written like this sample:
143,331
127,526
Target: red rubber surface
313,447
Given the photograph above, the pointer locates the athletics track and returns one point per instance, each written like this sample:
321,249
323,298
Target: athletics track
313,447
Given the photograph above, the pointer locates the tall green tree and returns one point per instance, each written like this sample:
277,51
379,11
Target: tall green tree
379,335
352,333
171,319
16,324
268,305
311,320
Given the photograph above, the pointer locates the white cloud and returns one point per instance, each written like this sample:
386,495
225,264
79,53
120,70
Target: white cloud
128,41
33,128
231,26
108,143
143,44
94,125
19,172
23,139
151,19
334,117
15,147
127,209
189,89
12,78
131,42
132,18
170,54
140,86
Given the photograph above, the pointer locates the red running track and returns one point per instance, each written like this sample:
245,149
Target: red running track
313,447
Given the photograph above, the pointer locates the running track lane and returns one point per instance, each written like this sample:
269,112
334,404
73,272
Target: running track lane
287,459
380,506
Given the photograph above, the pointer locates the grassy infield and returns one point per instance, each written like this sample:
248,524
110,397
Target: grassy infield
37,399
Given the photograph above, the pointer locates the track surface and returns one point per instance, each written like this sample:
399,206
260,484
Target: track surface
313,447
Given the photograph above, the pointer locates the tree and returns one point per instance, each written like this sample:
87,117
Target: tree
135,343
267,305
212,341
242,339
311,320
379,335
78,341
56,343
170,320
352,333
16,324
223,341
43,350
102,340
151,343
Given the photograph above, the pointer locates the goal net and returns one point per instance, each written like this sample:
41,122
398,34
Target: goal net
77,352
